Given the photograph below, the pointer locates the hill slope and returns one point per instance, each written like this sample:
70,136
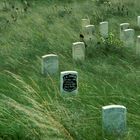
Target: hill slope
31,106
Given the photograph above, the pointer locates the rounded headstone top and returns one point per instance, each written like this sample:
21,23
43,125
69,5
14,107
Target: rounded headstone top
113,107
89,26
138,37
78,43
128,30
49,55
85,19
123,24
67,72
104,22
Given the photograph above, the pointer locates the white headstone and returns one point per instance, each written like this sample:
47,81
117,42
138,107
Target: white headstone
50,64
104,29
139,21
89,32
114,119
85,22
138,46
78,51
69,82
129,37
123,26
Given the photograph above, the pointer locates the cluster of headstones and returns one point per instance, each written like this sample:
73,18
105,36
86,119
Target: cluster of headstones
113,116
69,79
127,36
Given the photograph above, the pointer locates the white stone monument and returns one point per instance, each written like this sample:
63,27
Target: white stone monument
89,32
85,22
69,82
104,29
129,35
114,120
138,45
123,27
78,51
50,64
138,21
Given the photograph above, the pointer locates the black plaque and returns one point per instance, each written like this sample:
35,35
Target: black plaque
69,82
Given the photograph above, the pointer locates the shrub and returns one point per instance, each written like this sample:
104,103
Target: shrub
110,44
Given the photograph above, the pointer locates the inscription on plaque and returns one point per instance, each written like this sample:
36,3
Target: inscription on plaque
70,82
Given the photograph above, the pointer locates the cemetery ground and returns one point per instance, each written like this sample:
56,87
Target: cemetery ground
31,105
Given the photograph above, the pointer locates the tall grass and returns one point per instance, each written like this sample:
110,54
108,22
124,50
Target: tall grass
31,106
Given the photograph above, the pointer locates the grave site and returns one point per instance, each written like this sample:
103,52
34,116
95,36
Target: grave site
69,69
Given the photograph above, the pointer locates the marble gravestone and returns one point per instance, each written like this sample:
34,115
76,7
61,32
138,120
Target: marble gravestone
104,29
49,64
89,32
78,51
138,45
69,82
85,22
128,37
123,27
114,120
138,21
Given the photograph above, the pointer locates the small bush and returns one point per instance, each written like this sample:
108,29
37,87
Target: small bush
110,44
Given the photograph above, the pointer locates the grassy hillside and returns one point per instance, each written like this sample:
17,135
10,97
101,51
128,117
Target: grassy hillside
31,106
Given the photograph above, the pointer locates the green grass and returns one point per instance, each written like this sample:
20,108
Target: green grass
31,106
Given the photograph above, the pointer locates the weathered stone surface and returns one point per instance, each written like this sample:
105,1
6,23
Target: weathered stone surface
50,64
89,32
104,29
78,51
85,22
123,27
114,119
129,37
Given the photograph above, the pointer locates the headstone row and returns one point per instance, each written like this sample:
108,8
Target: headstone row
113,116
68,79
89,29
103,27
50,62
127,35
